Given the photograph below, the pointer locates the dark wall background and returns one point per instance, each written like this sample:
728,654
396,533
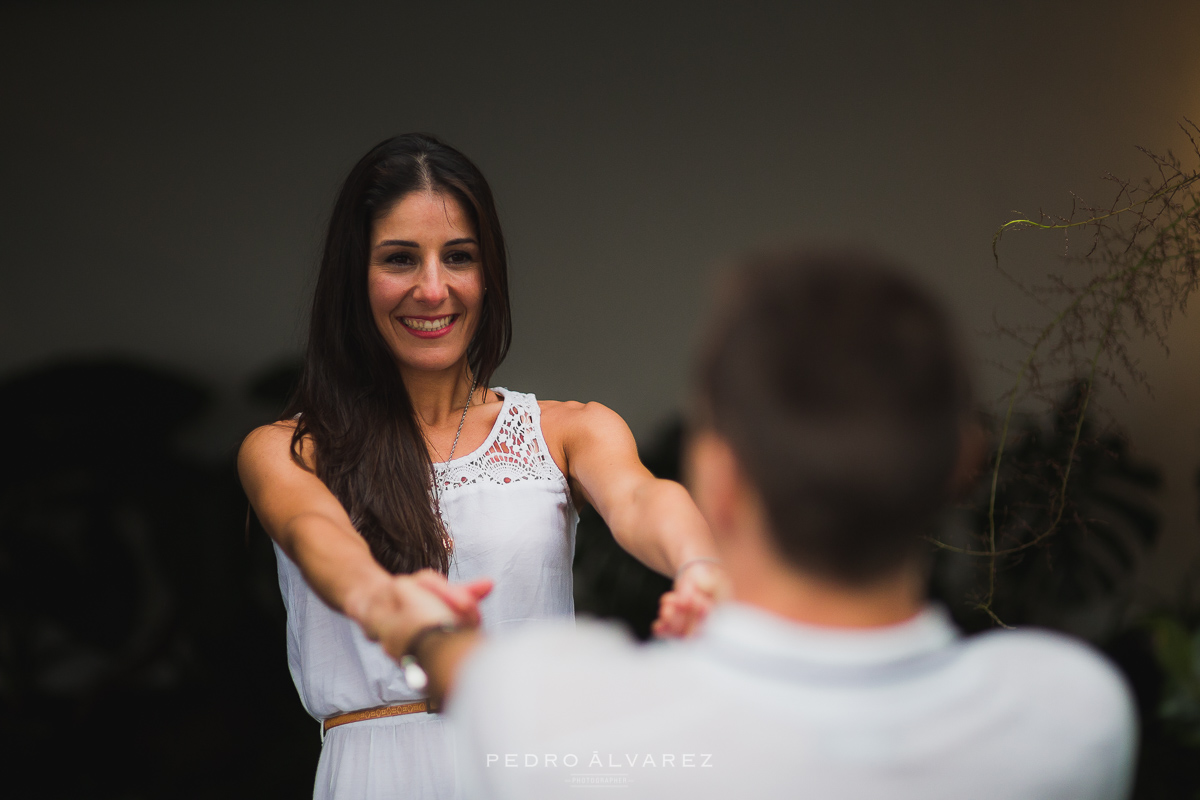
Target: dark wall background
167,171
168,168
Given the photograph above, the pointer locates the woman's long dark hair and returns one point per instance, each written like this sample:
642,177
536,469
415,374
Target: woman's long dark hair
351,402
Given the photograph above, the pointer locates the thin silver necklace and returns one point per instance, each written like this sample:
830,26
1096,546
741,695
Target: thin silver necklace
449,541
462,419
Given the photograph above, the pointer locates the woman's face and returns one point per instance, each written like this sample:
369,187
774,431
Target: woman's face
425,280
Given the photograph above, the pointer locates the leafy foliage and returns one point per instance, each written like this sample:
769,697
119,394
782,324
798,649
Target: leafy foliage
1178,651
1138,264
1070,580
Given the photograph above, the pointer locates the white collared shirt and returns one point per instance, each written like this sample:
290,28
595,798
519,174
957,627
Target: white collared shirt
761,707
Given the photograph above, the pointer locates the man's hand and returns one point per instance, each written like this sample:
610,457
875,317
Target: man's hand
700,586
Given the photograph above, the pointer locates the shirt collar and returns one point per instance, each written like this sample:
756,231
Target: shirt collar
752,631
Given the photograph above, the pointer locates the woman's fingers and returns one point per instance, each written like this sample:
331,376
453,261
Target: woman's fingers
395,609
673,616
680,613
461,602
696,590
463,599
480,588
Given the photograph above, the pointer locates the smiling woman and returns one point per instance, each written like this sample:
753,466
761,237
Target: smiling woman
363,490
425,280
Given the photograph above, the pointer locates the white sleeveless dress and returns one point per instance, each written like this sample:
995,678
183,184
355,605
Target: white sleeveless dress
508,508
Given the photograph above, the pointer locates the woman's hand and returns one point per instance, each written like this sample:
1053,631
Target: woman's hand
396,606
699,586
426,601
463,599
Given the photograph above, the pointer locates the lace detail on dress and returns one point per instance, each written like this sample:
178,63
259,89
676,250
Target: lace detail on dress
517,453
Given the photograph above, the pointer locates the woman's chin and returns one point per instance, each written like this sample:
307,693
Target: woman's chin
441,360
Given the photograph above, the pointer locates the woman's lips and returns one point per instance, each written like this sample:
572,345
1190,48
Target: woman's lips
429,327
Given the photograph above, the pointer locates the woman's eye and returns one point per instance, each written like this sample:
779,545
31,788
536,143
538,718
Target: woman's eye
401,259
459,257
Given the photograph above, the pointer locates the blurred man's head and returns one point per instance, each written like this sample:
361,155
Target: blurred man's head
834,386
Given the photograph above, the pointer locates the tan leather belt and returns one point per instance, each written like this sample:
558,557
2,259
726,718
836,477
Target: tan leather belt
419,707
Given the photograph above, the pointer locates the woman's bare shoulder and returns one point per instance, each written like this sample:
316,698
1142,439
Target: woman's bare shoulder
269,435
560,407
571,413
272,443
569,420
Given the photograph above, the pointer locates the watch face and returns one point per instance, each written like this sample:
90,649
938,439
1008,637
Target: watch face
414,677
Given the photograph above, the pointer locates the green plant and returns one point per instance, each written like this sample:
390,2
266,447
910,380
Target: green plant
1178,651
1138,263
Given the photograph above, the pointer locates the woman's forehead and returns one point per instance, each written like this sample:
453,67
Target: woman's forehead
425,212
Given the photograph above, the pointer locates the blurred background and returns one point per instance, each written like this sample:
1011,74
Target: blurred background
167,171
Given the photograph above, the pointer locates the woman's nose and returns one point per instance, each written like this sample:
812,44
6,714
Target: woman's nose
431,287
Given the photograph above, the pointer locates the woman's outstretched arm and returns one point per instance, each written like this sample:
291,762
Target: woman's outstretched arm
305,519
653,519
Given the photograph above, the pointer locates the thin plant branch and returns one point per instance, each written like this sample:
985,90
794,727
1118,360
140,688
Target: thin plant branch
1140,264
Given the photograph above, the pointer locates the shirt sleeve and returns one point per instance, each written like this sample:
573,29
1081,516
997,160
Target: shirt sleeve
1075,711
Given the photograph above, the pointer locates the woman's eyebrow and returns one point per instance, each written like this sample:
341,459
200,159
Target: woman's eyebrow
408,243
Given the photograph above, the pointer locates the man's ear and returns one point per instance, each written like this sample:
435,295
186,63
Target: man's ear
714,478
974,446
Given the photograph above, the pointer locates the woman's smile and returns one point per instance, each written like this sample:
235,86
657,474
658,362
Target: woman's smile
429,327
